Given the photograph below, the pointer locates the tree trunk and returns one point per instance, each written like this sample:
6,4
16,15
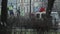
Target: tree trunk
49,7
3,16
4,11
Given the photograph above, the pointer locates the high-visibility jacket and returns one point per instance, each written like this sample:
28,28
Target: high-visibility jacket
10,8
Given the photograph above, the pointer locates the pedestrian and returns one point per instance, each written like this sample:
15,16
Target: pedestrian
11,11
18,12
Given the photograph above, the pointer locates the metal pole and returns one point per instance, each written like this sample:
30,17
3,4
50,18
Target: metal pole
30,10
16,5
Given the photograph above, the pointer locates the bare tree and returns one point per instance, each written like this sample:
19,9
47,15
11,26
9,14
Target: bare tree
3,17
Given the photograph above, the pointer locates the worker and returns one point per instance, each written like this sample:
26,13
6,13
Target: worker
11,11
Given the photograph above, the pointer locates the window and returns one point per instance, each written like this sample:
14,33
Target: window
32,0
43,0
18,4
25,1
38,4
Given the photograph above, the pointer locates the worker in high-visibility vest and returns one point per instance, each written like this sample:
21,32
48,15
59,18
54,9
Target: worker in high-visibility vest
11,10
